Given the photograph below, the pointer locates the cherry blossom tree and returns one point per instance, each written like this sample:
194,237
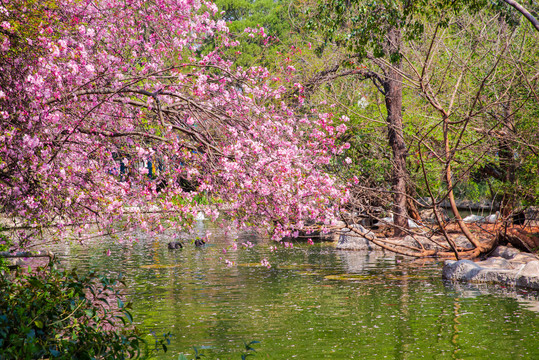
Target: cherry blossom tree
112,115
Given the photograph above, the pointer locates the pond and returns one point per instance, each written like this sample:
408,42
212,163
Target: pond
314,302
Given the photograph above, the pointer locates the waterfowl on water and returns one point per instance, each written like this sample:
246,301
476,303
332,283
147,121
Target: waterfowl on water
175,245
199,242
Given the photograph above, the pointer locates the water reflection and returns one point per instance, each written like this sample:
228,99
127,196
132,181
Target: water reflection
314,302
528,299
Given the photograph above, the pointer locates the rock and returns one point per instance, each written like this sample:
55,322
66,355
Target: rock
532,213
531,268
528,275
428,215
505,252
506,266
462,270
497,263
349,240
462,241
339,224
523,258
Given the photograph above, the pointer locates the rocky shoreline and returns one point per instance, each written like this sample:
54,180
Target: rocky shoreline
506,265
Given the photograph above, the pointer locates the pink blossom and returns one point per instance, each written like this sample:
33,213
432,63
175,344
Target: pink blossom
265,263
229,263
98,84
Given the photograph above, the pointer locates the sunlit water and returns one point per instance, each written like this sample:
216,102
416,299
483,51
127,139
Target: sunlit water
314,302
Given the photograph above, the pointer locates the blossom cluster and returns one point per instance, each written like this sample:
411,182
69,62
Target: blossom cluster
111,112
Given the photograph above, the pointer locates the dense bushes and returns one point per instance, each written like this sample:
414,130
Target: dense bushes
52,313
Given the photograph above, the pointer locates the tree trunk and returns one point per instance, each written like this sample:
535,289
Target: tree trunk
393,98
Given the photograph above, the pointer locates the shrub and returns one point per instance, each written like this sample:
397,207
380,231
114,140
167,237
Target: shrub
52,313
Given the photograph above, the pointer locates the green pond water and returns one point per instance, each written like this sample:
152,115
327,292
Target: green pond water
313,303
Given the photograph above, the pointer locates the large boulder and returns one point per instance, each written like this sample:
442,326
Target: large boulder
349,240
506,266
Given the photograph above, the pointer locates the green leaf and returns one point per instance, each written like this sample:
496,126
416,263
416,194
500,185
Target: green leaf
182,357
39,324
128,316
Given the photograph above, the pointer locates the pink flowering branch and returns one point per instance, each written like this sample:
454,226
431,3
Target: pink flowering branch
110,114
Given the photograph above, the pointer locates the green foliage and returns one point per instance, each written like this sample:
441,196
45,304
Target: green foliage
363,25
59,314
271,15
4,246
248,349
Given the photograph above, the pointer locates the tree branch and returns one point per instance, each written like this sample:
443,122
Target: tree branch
524,12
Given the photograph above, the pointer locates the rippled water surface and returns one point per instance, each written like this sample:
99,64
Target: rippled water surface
314,302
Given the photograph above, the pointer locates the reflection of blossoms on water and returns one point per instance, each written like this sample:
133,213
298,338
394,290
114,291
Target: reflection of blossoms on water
265,263
228,263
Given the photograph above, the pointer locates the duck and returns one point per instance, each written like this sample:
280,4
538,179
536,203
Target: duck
199,242
175,245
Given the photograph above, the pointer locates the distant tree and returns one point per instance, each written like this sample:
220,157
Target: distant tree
484,109
374,31
263,28
365,28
